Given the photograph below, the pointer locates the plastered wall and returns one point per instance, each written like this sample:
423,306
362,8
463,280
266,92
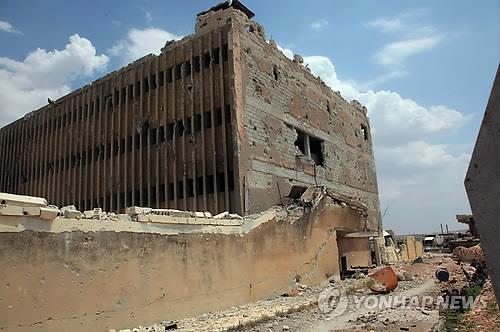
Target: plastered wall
75,280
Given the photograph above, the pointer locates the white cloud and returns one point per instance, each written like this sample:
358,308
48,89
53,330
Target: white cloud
7,27
386,25
141,42
319,25
410,37
395,53
26,85
396,119
416,178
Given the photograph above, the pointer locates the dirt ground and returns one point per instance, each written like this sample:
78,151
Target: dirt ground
412,306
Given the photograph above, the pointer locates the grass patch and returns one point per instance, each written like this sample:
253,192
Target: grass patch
453,321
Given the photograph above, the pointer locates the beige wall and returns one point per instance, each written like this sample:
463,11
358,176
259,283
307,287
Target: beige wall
95,281
357,251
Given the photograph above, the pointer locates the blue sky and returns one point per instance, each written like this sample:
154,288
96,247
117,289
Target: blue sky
424,69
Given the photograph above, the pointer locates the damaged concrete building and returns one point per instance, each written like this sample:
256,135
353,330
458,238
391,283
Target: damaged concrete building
219,121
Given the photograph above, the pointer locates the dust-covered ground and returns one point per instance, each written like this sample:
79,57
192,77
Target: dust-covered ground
350,305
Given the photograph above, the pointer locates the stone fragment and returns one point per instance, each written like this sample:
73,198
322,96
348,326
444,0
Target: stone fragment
11,210
72,214
222,215
33,211
48,213
89,214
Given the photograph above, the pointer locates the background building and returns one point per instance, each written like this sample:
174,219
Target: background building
220,120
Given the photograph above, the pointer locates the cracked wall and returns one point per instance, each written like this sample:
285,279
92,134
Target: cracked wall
101,280
281,97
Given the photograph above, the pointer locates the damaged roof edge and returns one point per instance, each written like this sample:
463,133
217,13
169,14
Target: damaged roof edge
229,3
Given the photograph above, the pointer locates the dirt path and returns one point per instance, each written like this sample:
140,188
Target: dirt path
346,320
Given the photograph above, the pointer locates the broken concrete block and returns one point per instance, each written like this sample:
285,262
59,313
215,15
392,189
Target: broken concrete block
11,210
97,213
88,214
199,215
222,215
72,214
33,211
207,214
21,200
48,213
135,210
235,216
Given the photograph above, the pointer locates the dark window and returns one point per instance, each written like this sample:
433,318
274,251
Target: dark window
316,147
187,68
190,188
117,97
300,142
162,193
145,85
206,60
153,81
196,63
199,185
188,126
197,123
161,78
130,92
161,134
180,189
137,89
210,184
364,132
215,56
170,192
179,128
169,74
153,136
129,144
207,118
170,131
124,96
218,117
153,196
137,141
221,182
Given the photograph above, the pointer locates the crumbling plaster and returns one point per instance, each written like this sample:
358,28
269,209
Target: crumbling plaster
59,278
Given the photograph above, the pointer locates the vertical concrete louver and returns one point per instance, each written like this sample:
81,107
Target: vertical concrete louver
220,120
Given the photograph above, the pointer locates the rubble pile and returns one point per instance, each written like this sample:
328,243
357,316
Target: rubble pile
245,316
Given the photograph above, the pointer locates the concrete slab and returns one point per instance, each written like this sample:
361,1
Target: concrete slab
21,200
483,184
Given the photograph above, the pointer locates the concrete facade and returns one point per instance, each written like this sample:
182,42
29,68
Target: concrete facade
220,120
483,184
